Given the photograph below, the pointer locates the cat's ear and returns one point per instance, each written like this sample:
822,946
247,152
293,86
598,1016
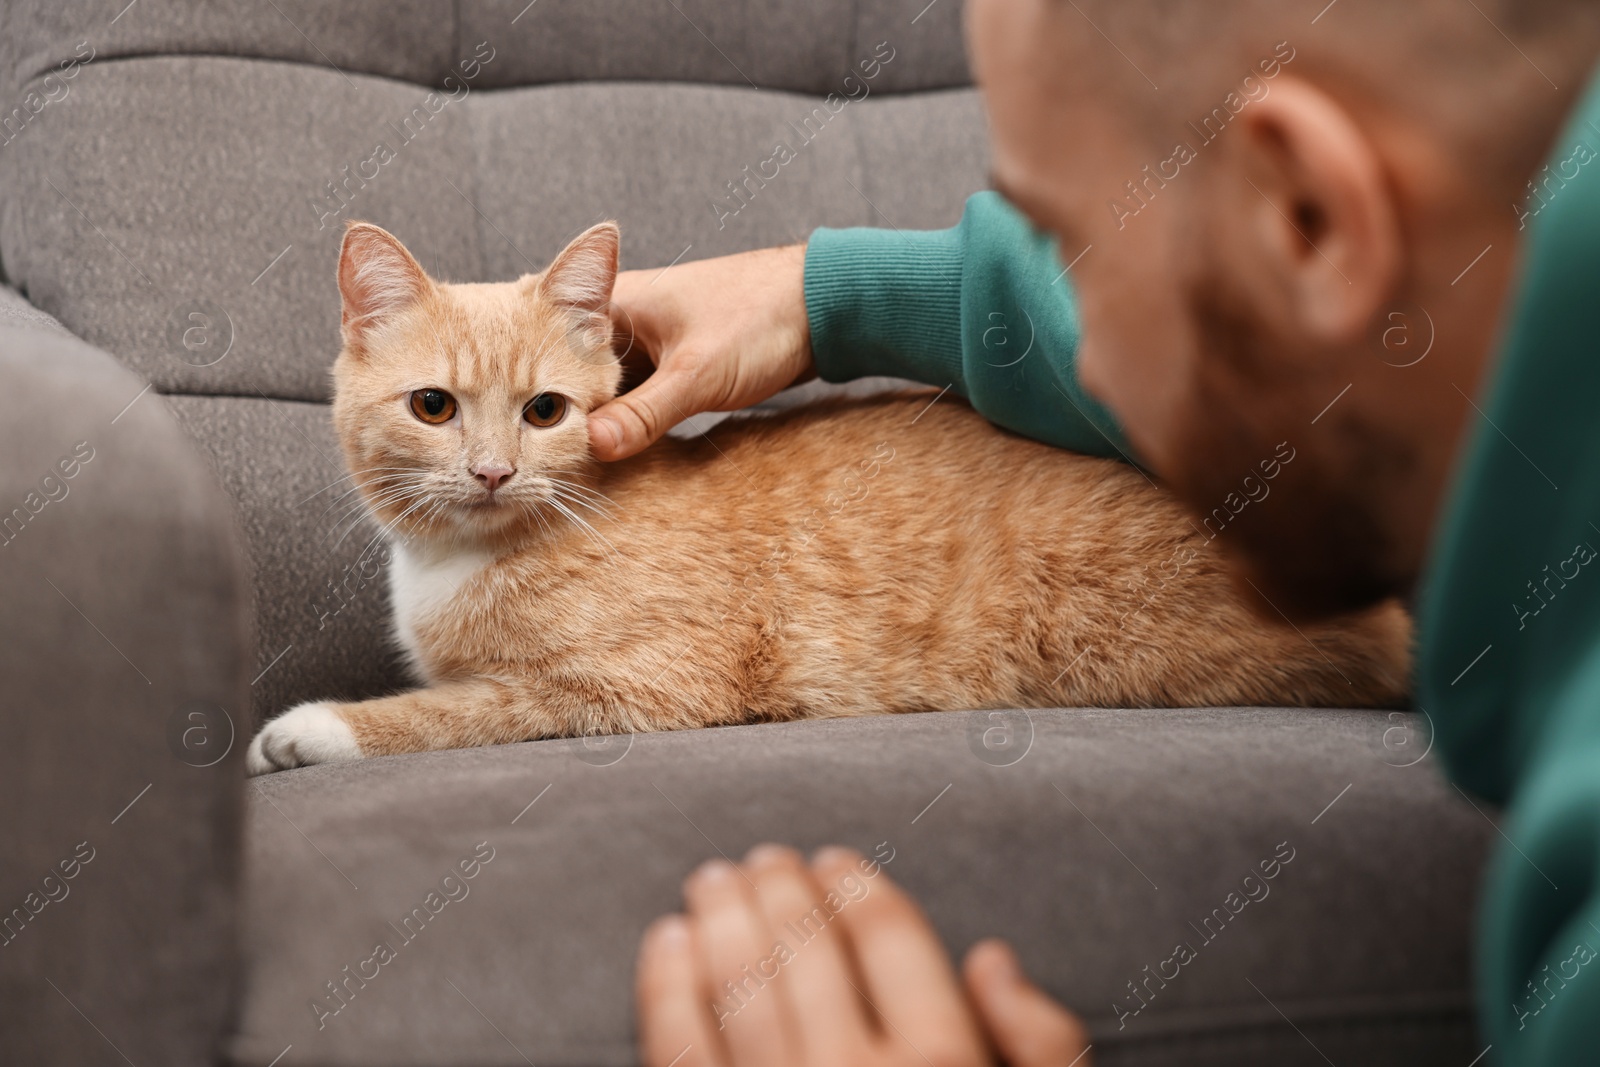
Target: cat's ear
581,277
377,277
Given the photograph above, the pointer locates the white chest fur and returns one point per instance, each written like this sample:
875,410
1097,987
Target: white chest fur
422,581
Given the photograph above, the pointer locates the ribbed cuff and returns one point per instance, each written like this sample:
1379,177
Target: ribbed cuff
885,302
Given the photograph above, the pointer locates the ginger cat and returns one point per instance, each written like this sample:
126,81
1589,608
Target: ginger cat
847,558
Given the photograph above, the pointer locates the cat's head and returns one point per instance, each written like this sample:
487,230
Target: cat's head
462,409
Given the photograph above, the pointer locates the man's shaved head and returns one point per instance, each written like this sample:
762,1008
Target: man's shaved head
1294,225
1469,70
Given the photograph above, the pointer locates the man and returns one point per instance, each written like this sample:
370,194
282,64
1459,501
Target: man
1333,228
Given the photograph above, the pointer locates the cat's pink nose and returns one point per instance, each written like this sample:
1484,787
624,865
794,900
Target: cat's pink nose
493,477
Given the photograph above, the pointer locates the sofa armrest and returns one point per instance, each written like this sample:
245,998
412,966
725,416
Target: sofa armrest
123,645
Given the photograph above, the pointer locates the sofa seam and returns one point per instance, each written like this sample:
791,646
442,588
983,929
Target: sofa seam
256,395
777,90
43,72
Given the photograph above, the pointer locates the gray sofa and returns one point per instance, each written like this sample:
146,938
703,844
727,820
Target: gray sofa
173,181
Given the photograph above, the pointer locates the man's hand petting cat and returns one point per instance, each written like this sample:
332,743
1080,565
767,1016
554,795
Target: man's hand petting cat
722,334
778,964
303,735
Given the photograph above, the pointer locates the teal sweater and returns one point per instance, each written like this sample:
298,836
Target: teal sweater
1509,619
983,308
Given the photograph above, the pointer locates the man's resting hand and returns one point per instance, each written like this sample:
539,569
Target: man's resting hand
780,964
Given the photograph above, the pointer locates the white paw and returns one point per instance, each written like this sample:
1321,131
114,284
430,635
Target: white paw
303,735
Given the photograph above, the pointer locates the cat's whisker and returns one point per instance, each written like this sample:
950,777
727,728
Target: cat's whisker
392,523
362,507
379,496
352,507
422,498
433,511
533,508
354,525
391,476
353,490
410,495
584,492
324,489
600,509
578,493
575,484
583,525
357,474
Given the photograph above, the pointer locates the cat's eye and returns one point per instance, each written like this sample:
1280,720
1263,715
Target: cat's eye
433,406
546,409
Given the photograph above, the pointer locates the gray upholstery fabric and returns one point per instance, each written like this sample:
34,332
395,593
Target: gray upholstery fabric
1095,851
122,631
16,311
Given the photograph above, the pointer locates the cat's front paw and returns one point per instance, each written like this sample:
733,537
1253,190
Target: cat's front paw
303,735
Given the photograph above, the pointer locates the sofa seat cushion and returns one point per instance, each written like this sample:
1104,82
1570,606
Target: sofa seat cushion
1096,841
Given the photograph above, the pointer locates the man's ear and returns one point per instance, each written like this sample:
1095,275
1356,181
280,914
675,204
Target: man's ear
1326,214
377,278
581,278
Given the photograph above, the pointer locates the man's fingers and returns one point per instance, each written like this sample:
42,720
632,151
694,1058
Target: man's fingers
674,1020
816,968
738,962
637,419
909,980
1027,1027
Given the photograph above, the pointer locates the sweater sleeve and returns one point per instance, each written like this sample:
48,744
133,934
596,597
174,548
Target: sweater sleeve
984,308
